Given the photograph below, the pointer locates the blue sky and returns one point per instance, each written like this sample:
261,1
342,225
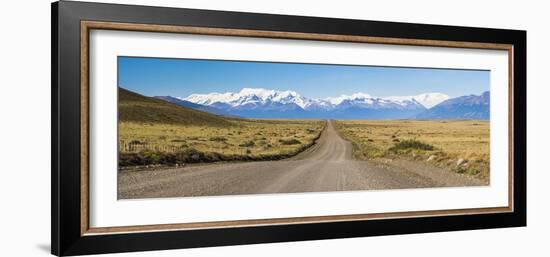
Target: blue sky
182,77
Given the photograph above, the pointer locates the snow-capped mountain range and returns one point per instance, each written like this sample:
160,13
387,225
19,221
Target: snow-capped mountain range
266,103
260,96
250,96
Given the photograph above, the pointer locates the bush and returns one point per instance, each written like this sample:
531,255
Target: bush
145,158
218,139
247,144
411,144
473,171
292,141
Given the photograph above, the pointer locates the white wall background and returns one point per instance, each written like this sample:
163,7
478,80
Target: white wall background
25,127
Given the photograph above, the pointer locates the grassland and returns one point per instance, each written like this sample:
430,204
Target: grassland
462,146
155,132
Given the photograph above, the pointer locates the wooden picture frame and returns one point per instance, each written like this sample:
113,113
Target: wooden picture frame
71,25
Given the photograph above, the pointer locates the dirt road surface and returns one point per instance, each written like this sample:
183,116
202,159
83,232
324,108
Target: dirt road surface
326,166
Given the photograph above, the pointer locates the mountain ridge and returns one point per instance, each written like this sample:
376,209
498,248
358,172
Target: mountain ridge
462,107
200,107
264,103
265,96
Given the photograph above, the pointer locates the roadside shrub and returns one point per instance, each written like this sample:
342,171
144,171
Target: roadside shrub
468,170
473,171
129,159
146,158
410,144
152,157
292,141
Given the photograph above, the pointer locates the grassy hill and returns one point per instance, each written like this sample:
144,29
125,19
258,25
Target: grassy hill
156,132
133,107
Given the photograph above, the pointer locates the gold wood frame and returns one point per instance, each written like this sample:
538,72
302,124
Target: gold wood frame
86,26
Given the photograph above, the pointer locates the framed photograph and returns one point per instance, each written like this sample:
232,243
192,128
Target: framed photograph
178,128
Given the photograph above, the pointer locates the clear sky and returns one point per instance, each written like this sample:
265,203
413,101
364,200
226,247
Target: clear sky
182,77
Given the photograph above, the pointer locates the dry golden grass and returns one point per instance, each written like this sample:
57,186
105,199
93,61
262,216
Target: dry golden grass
243,137
156,132
452,140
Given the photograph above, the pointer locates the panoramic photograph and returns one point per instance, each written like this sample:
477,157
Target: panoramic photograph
192,127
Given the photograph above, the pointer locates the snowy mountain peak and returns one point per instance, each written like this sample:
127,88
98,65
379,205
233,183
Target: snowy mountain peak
428,100
340,99
266,94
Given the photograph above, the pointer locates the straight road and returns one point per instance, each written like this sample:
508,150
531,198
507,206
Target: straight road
326,166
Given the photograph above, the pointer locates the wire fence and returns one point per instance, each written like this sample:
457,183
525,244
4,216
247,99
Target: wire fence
137,146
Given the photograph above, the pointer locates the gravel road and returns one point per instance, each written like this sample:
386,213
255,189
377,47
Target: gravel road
326,166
